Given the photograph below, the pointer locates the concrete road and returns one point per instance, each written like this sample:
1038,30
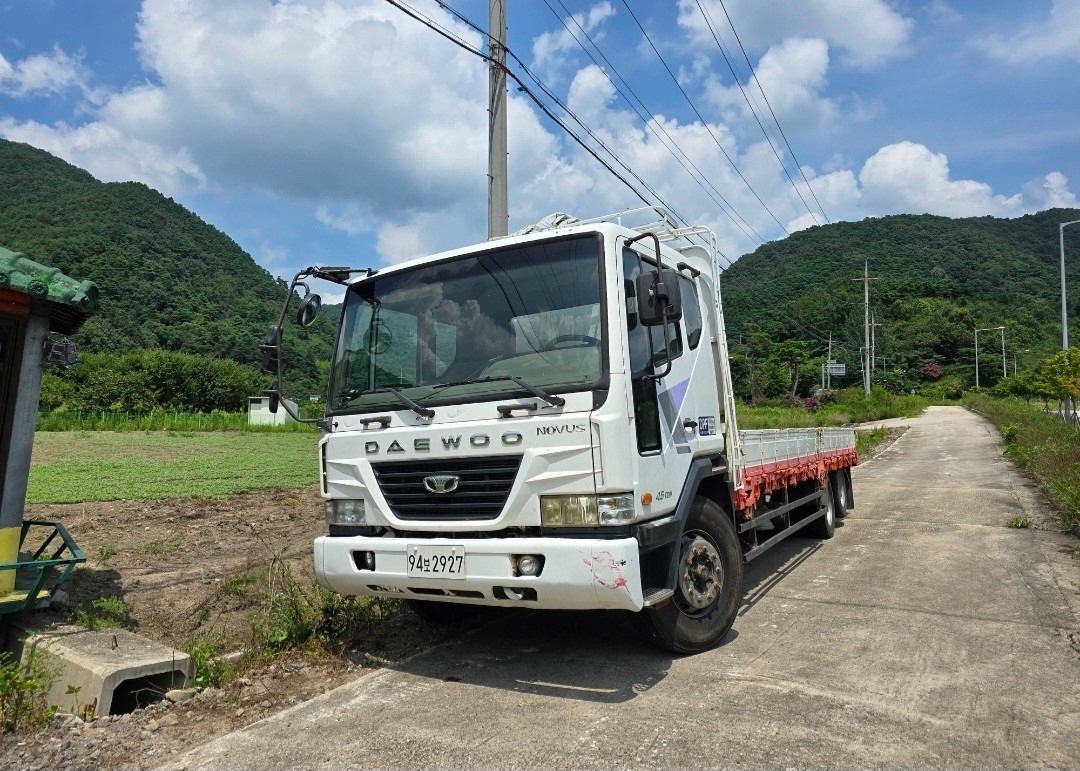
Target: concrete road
925,634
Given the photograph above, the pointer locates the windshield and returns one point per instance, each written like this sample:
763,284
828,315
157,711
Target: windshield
464,329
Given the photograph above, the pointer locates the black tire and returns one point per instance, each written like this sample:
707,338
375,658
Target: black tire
441,613
708,585
840,492
824,527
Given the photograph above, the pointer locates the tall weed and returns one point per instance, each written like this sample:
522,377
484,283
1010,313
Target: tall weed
1040,443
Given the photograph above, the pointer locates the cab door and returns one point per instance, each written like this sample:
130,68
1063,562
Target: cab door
666,409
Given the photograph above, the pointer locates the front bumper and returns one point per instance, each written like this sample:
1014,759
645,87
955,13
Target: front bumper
578,574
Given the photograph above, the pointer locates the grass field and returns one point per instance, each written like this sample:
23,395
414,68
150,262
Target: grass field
77,466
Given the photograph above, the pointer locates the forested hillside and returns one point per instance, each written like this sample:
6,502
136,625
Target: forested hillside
168,279
935,280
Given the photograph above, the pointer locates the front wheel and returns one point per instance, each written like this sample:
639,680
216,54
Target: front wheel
709,584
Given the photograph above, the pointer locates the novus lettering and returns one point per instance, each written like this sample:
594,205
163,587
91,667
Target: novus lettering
576,428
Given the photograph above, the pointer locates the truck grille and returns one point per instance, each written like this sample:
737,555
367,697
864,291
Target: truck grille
480,495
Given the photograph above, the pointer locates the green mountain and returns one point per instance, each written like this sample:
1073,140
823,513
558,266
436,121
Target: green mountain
935,280
167,279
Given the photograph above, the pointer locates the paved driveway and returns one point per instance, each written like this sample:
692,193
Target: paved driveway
926,633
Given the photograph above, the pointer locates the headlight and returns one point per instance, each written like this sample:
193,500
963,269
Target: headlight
568,510
586,510
345,512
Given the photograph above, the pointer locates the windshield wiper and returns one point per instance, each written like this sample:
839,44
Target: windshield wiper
554,401
424,412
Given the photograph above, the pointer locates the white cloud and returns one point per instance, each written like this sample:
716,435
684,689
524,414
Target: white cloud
42,75
550,48
398,243
380,126
1056,36
1049,192
869,32
943,13
908,177
110,155
793,76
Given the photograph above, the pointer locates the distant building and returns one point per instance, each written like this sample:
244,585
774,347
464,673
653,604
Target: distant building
259,413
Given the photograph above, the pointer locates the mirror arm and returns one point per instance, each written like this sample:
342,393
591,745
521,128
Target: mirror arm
332,274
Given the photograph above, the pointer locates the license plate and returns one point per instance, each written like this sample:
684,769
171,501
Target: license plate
436,561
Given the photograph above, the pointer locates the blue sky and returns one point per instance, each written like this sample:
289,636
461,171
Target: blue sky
345,132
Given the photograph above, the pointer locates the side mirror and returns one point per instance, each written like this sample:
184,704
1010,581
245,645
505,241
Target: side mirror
272,350
308,310
657,296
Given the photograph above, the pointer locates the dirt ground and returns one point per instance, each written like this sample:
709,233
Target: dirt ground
200,570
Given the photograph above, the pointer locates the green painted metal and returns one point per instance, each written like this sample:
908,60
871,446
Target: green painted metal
45,569
19,272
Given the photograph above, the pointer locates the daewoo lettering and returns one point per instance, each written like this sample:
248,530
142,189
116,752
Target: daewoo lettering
509,439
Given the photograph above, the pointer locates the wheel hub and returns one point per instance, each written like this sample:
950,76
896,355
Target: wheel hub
702,573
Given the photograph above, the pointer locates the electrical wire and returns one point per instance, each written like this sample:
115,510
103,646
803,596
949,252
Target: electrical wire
435,26
702,119
791,150
676,151
753,110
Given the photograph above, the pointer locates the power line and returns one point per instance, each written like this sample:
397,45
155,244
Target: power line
773,114
435,26
697,175
702,119
753,110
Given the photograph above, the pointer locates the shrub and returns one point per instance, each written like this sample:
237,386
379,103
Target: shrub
24,686
931,371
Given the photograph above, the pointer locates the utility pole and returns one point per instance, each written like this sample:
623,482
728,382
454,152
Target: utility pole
498,207
1064,308
1004,365
828,362
866,322
989,329
873,342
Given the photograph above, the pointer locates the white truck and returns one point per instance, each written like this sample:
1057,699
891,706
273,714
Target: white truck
547,421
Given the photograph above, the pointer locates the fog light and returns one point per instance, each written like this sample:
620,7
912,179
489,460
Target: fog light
364,560
529,565
345,512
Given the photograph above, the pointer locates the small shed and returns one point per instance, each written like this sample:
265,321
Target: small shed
34,301
259,413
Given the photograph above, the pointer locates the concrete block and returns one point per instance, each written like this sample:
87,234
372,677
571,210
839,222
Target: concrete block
115,671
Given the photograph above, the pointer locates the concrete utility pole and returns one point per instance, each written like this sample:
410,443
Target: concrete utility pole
1064,308
873,342
866,323
498,206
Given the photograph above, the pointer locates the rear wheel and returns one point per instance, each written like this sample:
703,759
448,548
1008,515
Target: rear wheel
824,527
841,498
709,585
